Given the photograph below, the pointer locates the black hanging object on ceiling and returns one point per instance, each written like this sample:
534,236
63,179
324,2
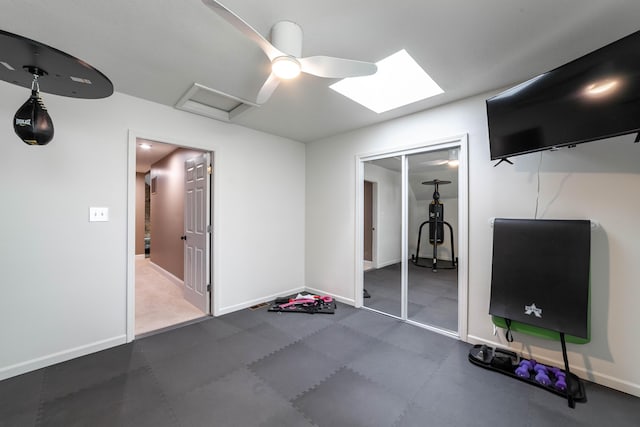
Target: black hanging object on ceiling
32,123
34,65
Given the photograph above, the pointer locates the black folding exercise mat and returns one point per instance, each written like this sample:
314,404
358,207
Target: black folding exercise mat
540,273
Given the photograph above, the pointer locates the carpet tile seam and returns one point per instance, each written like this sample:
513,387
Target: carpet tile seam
248,365
81,390
396,422
266,384
289,401
331,373
40,400
358,374
397,322
88,387
313,385
293,407
386,388
409,350
283,347
162,393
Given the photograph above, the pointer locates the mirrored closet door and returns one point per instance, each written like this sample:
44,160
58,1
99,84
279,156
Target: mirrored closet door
432,282
411,234
382,215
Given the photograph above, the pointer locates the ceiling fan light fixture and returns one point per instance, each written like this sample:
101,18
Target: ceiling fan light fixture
285,67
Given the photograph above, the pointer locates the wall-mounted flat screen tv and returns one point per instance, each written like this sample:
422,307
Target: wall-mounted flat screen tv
593,97
540,273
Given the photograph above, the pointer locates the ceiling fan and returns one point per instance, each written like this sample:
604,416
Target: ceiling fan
285,53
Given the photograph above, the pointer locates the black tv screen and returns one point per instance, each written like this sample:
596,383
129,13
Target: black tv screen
593,97
540,273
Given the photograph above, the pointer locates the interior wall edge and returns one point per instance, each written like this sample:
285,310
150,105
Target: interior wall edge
578,369
345,300
387,263
168,275
267,298
61,356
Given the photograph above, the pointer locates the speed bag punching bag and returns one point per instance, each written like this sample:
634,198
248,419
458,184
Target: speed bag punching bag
32,122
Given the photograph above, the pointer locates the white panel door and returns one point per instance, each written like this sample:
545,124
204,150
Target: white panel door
196,232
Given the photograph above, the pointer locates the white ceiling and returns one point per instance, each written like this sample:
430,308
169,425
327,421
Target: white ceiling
146,157
424,167
157,49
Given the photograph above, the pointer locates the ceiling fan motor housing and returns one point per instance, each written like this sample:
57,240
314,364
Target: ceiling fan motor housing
286,36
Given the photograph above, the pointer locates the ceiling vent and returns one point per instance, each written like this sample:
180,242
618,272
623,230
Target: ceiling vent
212,103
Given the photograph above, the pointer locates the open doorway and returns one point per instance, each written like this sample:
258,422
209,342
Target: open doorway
172,235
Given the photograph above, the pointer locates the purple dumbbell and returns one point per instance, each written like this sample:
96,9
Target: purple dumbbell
542,375
539,367
560,384
523,369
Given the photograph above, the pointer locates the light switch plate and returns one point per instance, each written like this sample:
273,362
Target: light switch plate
98,214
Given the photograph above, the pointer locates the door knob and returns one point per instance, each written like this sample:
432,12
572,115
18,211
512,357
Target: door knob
183,237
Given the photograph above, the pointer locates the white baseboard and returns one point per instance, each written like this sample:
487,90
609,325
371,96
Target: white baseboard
266,298
62,356
597,377
349,301
173,279
387,263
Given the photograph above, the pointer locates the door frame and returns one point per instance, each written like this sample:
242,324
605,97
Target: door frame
460,142
130,302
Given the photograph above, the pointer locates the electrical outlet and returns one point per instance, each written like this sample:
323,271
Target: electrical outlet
98,214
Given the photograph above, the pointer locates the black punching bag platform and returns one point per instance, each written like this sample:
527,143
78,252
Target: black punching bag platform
31,64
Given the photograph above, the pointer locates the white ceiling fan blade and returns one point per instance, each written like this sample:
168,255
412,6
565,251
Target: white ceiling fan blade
244,28
330,67
267,89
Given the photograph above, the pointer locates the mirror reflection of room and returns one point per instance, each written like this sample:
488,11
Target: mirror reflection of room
432,238
432,226
382,235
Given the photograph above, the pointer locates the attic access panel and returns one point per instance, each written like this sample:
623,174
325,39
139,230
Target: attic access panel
60,73
540,273
212,103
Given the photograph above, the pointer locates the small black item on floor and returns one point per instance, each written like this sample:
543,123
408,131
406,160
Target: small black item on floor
548,378
309,304
365,294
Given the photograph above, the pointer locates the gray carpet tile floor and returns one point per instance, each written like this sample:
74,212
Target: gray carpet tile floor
256,368
432,296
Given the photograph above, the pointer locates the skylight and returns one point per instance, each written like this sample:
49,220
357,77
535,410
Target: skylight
399,81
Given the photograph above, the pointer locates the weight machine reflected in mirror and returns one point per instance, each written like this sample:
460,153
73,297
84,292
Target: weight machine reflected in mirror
436,225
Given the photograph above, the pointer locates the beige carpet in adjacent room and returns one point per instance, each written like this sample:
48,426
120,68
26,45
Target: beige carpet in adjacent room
159,302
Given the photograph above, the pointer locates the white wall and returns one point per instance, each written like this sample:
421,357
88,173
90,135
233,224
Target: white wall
388,215
64,279
597,181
